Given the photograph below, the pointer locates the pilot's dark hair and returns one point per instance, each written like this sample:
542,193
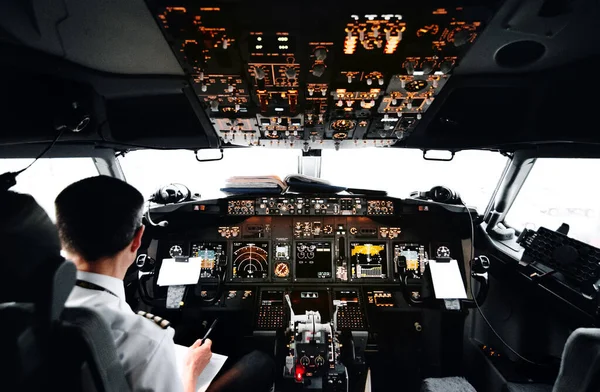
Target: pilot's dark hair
98,217
30,247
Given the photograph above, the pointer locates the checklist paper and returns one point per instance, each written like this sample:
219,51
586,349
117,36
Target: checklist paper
176,273
447,280
210,371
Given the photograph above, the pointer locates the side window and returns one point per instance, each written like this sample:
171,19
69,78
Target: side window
557,191
48,177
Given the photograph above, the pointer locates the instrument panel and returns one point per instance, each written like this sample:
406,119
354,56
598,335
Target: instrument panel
332,248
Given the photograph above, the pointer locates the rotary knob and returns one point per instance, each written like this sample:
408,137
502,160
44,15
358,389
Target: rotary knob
318,70
446,67
290,72
427,67
259,73
305,361
319,361
320,54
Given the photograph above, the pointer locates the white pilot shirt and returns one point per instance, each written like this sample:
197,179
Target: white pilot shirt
146,350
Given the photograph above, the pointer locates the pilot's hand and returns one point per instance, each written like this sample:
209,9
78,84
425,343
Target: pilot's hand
197,358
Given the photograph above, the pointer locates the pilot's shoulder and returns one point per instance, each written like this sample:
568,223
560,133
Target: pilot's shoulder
159,321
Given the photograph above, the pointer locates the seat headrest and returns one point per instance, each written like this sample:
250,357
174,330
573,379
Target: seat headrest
30,249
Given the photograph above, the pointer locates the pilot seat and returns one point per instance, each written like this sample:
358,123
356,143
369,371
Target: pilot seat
45,345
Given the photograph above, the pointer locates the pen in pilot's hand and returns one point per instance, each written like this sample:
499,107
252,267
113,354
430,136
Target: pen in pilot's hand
209,330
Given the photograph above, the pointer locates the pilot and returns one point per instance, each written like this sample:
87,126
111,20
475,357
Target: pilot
100,226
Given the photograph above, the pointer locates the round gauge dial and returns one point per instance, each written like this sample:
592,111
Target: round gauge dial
443,251
175,251
282,270
343,125
250,261
328,229
305,361
306,252
463,34
415,85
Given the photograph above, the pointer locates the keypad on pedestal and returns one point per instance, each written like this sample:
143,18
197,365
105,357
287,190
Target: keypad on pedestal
350,317
270,317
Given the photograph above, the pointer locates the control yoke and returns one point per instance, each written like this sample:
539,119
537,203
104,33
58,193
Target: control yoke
479,271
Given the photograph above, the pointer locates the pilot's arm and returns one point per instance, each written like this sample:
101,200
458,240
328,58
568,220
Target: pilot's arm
159,371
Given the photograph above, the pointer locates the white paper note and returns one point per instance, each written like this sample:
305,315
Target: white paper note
447,280
174,273
210,371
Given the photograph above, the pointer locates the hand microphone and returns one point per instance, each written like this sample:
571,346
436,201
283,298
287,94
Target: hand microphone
149,219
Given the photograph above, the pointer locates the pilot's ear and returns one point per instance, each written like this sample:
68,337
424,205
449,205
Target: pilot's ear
137,239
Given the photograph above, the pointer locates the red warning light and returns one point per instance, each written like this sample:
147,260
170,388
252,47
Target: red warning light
299,373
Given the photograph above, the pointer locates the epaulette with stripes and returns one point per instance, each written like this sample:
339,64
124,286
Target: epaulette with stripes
161,322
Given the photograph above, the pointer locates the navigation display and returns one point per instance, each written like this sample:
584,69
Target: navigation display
250,260
313,260
209,254
410,259
368,260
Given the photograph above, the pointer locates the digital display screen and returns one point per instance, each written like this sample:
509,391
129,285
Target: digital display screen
347,296
369,260
410,259
209,254
313,260
282,251
271,297
250,260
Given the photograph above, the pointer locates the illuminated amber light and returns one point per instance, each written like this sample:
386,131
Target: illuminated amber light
350,45
391,45
368,249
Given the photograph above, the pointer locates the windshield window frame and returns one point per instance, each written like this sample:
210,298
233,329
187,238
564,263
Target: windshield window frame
516,175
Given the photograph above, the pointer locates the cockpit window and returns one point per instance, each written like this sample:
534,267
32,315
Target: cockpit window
148,170
560,191
474,174
46,178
